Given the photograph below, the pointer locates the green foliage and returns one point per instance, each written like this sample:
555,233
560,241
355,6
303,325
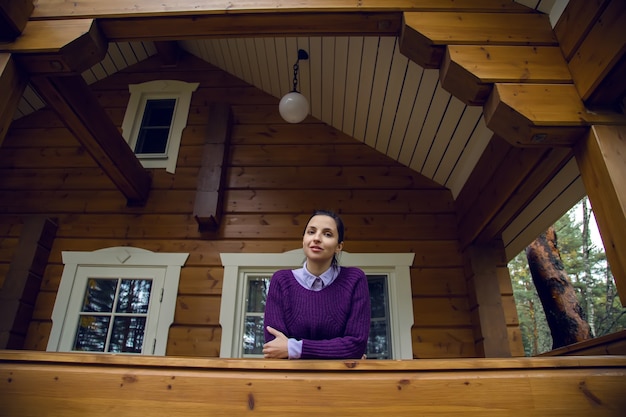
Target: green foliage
586,265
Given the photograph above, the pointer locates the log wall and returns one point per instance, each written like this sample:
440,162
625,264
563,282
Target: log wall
277,173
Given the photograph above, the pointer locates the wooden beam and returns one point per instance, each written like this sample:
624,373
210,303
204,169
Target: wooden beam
55,9
253,25
492,338
13,17
500,171
76,105
469,71
578,18
211,178
23,280
424,34
12,83
542,114
601,158
541,172
40,383
61,46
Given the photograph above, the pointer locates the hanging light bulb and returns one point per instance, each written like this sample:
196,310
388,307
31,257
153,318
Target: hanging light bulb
294,107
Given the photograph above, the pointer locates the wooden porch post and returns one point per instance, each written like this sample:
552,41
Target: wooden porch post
22,283
601,158
491,335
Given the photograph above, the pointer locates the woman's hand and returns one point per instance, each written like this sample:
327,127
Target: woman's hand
277,348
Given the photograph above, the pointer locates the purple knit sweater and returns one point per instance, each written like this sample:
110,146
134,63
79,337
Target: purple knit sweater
332,323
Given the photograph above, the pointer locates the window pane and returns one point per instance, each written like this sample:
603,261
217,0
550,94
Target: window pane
99,295
253,337
377,346
134,296
92,333
155,126
379,342
152,141
158,112
127,334
378,296
257,294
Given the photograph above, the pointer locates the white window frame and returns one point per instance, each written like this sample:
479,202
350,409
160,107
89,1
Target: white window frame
138,262
237,265
159,89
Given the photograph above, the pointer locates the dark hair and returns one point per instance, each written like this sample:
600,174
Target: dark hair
334,216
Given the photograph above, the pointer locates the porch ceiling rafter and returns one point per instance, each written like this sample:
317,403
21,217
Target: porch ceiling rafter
54,54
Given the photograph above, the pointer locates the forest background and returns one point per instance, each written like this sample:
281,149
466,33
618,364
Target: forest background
585,263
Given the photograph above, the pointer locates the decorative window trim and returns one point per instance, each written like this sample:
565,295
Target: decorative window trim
118,257
395,265
139,93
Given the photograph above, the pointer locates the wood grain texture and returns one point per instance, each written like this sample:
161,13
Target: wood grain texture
195,387
276,174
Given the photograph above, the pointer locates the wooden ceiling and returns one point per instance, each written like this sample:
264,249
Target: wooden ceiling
363,86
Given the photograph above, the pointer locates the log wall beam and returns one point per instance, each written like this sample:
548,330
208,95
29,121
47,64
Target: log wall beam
469,71
542,114
212,176
601,158
59,46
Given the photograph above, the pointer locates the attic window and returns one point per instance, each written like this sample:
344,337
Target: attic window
155,128
154,121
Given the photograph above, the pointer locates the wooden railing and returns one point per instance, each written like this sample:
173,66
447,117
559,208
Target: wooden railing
63,384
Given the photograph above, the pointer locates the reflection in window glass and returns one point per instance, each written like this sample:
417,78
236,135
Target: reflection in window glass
256,295
102,329
379,342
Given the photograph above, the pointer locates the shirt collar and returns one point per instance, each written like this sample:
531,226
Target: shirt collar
327,276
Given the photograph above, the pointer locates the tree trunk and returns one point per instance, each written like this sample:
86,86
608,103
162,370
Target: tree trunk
565,316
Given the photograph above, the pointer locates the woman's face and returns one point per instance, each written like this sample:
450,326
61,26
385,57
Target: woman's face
321,239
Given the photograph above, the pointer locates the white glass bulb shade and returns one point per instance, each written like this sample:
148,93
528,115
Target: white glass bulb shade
293,107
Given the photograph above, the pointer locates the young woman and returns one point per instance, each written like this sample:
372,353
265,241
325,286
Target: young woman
322,310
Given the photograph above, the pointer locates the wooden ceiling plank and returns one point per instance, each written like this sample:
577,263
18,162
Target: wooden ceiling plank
424,34
468,71
13,17
542,114
601,158
79,109
602,49
13,82
48,9
254,25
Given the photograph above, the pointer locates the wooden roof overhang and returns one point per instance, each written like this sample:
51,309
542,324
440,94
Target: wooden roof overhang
547,92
